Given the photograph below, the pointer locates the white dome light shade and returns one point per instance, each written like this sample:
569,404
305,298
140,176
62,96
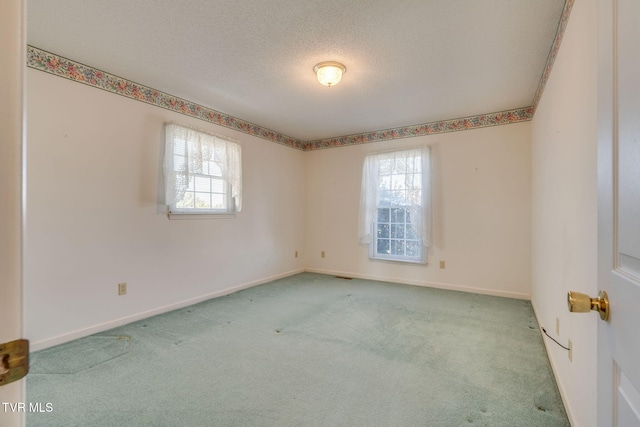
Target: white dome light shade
329,73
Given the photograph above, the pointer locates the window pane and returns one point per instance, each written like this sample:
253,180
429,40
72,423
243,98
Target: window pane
218,201
414,197
180,147
397,247
407,216
187,201
384,166
411,165
214,169
383,231
409,181
383,214
218,186
203,184
383,246
179,163
397,231
397,215
417,164
409,232
413,248
207,152
397,198
191,184
400,165
398,182
385,198
385,182
203,201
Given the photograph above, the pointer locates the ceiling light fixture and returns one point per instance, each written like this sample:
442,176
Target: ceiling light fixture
329,73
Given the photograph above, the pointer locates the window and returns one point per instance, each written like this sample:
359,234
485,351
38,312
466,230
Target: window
395,205
203,173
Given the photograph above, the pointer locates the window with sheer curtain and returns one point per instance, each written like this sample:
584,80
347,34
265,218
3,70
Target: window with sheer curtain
203,173
395,204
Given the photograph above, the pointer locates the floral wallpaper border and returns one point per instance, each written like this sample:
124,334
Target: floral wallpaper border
57,65
466,123
562,25
54,64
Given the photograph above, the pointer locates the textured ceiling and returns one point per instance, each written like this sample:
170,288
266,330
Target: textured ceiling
408,61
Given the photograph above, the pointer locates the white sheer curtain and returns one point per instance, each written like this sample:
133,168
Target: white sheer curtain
396,178
186,152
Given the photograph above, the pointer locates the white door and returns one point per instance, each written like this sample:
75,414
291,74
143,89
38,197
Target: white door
12,65
619,212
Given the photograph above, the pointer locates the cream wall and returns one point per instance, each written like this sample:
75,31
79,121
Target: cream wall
94,215
481,212
564,209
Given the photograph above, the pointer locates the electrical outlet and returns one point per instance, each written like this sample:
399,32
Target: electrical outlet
122,288
442,264
322,254
570,351
557,326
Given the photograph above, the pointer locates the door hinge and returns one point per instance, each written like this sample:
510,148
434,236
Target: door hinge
14,361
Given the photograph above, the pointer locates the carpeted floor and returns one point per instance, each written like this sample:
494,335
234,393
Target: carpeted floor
308,350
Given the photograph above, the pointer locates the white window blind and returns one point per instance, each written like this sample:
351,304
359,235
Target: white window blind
395,205
203,172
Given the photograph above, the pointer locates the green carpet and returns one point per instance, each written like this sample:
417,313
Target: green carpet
308,350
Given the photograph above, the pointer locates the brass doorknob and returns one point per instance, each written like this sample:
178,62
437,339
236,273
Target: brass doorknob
583,303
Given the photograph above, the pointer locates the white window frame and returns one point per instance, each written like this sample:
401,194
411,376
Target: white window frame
377,238
190,158
375,199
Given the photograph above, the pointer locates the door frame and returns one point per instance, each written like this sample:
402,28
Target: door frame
12,151
605,199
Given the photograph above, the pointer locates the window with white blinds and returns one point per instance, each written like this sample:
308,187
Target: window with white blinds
203,173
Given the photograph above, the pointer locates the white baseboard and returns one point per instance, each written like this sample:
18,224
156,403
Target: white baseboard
61,339
563,393
447,286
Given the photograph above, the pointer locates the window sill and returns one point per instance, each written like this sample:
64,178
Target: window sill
192,215
396,259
